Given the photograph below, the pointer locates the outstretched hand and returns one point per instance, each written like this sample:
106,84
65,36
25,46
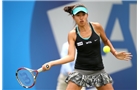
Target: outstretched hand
46,66
123,55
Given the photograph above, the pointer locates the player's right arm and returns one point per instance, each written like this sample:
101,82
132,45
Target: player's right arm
71,52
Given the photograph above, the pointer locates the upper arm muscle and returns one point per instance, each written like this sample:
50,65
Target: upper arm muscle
71,41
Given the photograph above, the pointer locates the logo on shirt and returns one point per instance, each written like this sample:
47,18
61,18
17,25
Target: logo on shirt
95,40
88,42
79,43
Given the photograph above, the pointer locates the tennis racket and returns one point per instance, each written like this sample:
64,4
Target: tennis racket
27,77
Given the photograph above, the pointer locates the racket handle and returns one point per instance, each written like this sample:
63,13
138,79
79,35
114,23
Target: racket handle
40,69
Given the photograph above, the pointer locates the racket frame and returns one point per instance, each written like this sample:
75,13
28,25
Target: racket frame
34,76
30,70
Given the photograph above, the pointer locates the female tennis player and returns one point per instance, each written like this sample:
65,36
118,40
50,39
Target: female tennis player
85,37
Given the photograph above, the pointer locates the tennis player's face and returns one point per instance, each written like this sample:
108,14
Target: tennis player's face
80,18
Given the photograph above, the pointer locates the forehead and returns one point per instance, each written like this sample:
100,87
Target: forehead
81,12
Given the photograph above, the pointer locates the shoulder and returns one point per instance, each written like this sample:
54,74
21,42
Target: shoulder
97,27
96,24
72,33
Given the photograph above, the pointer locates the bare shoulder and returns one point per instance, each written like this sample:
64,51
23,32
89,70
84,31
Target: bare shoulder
96,24
72,34
97,27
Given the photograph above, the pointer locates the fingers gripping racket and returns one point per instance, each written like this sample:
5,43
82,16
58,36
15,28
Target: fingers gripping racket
27,77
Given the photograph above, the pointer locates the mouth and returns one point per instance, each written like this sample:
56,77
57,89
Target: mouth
81,21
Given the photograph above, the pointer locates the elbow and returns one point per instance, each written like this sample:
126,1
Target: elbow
72,58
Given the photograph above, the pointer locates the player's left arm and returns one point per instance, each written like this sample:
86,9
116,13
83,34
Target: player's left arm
104,38
119,55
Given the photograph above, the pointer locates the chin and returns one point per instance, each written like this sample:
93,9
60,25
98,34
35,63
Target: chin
82,24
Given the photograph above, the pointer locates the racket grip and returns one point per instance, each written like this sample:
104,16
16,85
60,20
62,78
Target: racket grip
40,69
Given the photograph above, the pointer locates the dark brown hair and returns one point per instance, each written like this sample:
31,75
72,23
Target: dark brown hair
69,9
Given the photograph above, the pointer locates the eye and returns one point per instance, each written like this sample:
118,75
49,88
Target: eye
77,14
84,14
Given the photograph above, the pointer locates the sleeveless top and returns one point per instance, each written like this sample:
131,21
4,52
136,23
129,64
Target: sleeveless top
88,52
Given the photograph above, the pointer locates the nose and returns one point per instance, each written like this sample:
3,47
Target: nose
81,17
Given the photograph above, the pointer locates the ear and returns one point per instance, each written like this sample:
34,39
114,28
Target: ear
73,16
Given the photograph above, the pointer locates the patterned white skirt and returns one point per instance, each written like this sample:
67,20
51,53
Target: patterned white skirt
89,78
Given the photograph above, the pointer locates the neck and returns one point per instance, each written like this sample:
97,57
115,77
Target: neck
84,28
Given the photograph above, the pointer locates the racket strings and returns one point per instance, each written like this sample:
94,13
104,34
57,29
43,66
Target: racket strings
26,78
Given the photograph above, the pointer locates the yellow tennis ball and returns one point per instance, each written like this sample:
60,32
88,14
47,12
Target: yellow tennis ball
106,49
